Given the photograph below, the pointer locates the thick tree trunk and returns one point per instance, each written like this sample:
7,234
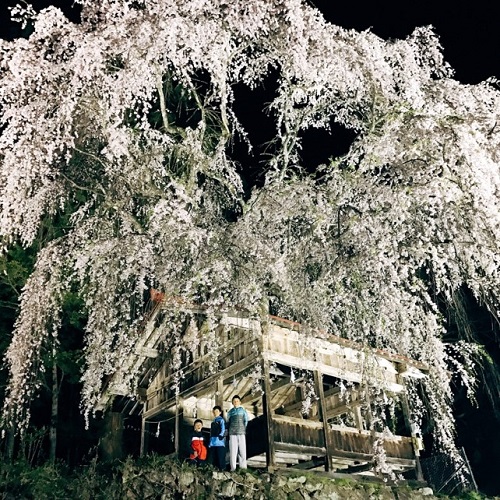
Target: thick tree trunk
9,444
111,442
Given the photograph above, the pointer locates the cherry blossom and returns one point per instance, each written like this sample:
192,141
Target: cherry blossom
126,122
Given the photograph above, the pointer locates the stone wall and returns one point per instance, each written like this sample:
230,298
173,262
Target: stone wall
170,479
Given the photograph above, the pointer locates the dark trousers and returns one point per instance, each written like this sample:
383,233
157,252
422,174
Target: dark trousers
196,461
218,456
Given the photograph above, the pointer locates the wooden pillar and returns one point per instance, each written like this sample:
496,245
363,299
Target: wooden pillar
358,418
144,437
268,416
406,415
219,393
318,385
177,426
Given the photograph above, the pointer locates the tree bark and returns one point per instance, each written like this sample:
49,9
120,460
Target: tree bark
9,444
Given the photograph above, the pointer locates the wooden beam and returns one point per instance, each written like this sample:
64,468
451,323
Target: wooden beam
334,371
275,386
355,469
203,387
336,453
331,412
305,422
345,343
283,459
339,410
142,394
318,384
268,417
310,464
318,451
332,392
146,352
406,463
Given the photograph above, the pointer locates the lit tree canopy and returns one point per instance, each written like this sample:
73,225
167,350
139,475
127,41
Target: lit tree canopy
127,121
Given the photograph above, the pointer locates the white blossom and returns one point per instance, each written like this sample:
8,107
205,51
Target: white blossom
125,121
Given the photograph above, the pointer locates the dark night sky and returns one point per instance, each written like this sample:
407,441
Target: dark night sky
469,30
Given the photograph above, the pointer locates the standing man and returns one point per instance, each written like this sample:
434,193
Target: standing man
237,420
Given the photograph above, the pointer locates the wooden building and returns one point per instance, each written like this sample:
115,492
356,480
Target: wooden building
305,392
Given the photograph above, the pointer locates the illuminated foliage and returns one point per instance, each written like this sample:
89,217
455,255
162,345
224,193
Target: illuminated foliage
126,120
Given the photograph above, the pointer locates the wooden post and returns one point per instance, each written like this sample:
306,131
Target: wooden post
219,393
268,416
177,426
406,415
267,409
144,437
358,418
318,385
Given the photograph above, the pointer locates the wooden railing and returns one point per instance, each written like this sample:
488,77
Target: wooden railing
354,441
344,441
297,431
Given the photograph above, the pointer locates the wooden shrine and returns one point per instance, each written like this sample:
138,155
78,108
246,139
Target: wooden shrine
304,393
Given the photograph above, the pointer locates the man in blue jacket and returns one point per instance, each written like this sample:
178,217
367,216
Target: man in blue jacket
237,420
217,446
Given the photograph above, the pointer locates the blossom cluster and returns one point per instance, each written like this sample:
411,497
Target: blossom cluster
125,121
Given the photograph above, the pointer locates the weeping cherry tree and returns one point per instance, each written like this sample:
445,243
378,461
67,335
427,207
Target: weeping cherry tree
127,122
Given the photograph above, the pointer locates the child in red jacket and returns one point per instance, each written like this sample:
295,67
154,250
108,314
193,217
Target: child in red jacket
199,451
